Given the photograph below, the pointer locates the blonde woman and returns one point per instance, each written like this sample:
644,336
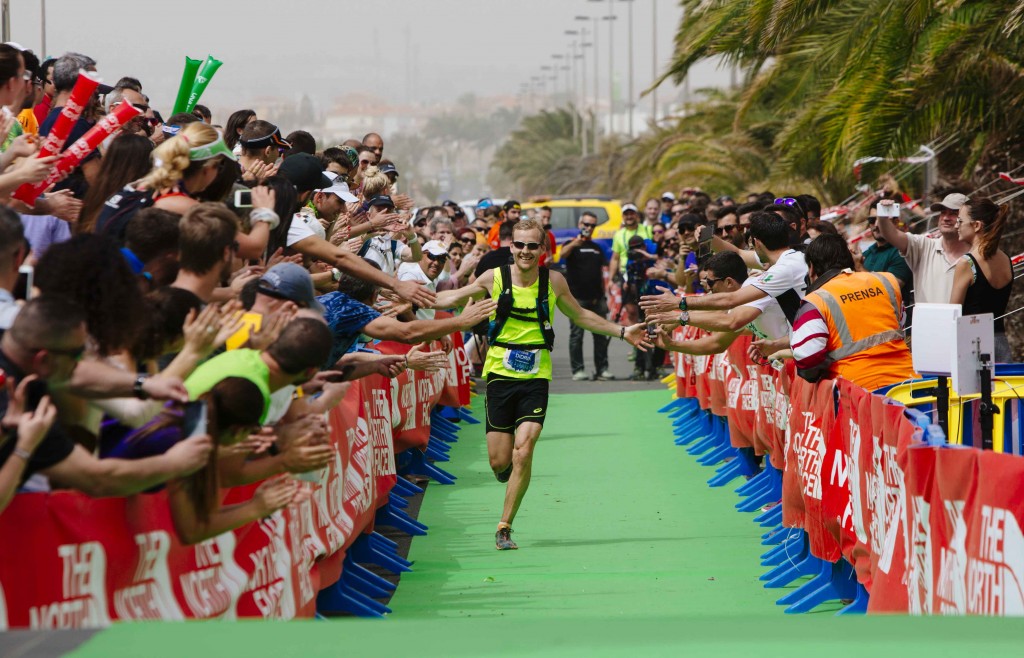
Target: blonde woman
184,166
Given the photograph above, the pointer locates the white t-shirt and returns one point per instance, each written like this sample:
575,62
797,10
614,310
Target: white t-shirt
413,272
785,281
772,323
304,224
385,252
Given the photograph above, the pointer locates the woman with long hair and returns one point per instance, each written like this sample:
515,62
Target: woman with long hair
235,125
125,160
983,278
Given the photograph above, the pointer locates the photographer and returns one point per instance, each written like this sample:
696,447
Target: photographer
642,258
584,271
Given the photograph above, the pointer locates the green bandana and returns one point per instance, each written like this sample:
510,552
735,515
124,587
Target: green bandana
211,150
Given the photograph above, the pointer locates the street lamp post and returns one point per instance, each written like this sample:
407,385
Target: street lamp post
654,61
629,30
593,115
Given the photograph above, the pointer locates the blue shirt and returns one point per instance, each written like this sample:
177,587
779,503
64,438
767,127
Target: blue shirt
346,317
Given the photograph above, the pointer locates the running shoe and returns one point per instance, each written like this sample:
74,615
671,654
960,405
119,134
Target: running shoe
580,376
503,540
605,376
504,475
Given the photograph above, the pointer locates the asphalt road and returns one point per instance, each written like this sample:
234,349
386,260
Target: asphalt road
618,352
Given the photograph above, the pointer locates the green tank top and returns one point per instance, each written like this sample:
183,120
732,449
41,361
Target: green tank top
520,331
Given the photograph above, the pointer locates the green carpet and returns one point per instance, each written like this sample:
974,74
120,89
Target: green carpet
624,551
616,519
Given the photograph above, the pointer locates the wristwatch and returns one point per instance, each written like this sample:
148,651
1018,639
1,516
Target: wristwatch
682,303
137,389
684,318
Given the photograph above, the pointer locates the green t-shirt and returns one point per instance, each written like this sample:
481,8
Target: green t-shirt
888,259
246,364
620,241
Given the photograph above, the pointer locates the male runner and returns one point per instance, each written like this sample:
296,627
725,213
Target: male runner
518,365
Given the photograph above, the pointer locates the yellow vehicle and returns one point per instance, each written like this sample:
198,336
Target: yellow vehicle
565,217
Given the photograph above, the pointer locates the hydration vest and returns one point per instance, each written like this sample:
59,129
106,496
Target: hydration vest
541,313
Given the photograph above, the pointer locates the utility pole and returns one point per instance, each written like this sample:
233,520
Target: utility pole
629,28
654,61
611,66
5,20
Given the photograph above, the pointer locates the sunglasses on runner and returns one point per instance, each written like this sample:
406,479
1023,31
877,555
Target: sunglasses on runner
529,246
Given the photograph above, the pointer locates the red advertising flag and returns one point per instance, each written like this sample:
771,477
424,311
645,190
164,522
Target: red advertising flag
922,515
741,395
995,544
956,484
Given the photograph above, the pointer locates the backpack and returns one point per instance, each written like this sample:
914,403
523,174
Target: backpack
507,310
113,218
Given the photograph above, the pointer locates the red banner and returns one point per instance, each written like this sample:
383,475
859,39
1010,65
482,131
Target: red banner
82,563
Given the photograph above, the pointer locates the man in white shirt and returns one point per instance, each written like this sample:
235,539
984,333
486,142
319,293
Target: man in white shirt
932,260
785,280
426,271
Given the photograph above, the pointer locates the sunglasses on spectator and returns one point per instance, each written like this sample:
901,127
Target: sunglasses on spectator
709,282
872,220
72,353
468,240
364,163
687,227
480,229
589,225
529,246
438,258
785,201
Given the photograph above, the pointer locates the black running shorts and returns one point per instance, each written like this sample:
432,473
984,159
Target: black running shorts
511,402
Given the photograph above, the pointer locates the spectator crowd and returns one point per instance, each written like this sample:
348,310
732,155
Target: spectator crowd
182,308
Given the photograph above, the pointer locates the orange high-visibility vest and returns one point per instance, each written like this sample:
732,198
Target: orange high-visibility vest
866,343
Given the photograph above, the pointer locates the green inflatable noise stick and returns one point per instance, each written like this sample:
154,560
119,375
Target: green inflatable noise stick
210,67
188,79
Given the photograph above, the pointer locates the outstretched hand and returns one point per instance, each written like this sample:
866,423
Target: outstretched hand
663,303
636,336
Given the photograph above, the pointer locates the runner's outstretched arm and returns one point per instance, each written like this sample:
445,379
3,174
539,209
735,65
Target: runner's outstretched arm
635,335
458,297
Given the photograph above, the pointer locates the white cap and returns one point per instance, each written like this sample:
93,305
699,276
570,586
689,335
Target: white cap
668,195
954,201
340,189
435,247
629,206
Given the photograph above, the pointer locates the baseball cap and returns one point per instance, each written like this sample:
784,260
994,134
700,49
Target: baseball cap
636,242
954,201
304,172
510,204
629,206
484,203
435,247
251,140
668,195
388,168
351,155
381,200
340,189
292,282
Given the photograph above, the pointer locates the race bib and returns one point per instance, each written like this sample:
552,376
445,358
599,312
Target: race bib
526,362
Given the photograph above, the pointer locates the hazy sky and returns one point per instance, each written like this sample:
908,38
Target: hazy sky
327,48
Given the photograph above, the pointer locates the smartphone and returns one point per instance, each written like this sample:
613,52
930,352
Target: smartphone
26,279
892,210
194,419
652,330
35,391
707,232
243,199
